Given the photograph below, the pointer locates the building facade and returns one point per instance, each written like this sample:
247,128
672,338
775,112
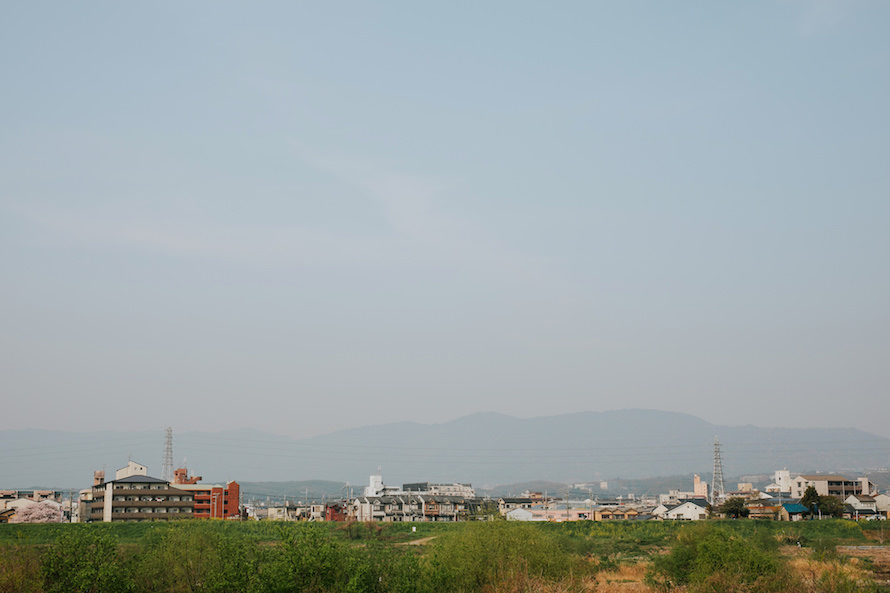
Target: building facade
135,496
831,485
413,507
212,501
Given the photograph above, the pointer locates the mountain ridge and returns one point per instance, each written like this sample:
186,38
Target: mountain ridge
486,448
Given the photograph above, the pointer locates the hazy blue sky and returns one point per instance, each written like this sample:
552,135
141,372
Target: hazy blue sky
304,216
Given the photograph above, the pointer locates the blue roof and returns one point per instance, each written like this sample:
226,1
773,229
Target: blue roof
795,508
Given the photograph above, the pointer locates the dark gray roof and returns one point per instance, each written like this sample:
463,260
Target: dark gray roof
140,480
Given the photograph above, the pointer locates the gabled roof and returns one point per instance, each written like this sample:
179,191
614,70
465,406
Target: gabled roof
700,503
693,502
862,497
795,507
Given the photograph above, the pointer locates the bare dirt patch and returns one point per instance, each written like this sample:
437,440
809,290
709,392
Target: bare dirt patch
623,579
418,542
877,560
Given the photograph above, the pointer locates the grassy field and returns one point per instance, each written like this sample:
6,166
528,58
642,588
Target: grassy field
269,557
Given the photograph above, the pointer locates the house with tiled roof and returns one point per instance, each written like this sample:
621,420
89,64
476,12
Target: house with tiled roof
691,510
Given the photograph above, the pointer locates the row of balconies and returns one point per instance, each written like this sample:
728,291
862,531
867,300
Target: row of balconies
149,516
147,510
144,503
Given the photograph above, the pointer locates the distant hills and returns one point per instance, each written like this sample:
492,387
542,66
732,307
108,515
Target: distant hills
485,449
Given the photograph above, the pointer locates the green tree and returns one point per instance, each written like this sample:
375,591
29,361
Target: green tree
810,498
735,508
831,506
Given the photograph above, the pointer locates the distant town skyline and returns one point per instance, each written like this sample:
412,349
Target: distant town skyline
306,217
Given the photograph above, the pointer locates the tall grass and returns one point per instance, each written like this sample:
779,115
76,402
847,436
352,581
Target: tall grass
269,557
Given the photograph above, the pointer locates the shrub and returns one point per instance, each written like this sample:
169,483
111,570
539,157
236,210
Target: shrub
307,559
19,569
192,556
706,554
84,561
487,553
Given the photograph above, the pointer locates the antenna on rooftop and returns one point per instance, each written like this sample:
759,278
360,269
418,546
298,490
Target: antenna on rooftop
167,466
718,491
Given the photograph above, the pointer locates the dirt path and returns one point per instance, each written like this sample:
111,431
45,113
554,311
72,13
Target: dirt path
419,542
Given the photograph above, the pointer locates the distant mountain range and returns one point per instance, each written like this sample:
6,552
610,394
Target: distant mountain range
485,449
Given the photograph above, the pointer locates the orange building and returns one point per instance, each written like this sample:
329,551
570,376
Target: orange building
212,501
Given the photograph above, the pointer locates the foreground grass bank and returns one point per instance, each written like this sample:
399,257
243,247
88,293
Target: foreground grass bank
199,556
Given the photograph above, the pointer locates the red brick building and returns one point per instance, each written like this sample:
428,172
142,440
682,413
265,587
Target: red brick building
336,511
212,501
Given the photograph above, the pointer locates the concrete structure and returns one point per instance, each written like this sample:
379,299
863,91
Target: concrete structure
376,487
453,489
831,485
781,482
212,501
135,496
699,488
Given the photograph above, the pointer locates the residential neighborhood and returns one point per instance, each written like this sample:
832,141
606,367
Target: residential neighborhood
134,495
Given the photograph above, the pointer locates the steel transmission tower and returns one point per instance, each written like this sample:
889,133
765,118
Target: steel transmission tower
718,491
167,467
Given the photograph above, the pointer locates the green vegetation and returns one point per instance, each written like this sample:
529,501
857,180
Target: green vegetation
826,506
269,557
714,556
735,508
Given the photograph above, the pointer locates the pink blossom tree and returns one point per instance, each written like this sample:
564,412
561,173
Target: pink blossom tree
42,512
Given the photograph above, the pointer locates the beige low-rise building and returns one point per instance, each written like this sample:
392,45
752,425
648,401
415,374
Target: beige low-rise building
831,485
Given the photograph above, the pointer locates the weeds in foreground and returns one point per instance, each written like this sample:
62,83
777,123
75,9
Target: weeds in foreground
490,557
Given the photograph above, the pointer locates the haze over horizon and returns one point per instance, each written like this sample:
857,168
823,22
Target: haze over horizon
301,218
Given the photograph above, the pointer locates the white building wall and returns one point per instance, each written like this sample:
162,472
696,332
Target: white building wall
109,499
132,469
